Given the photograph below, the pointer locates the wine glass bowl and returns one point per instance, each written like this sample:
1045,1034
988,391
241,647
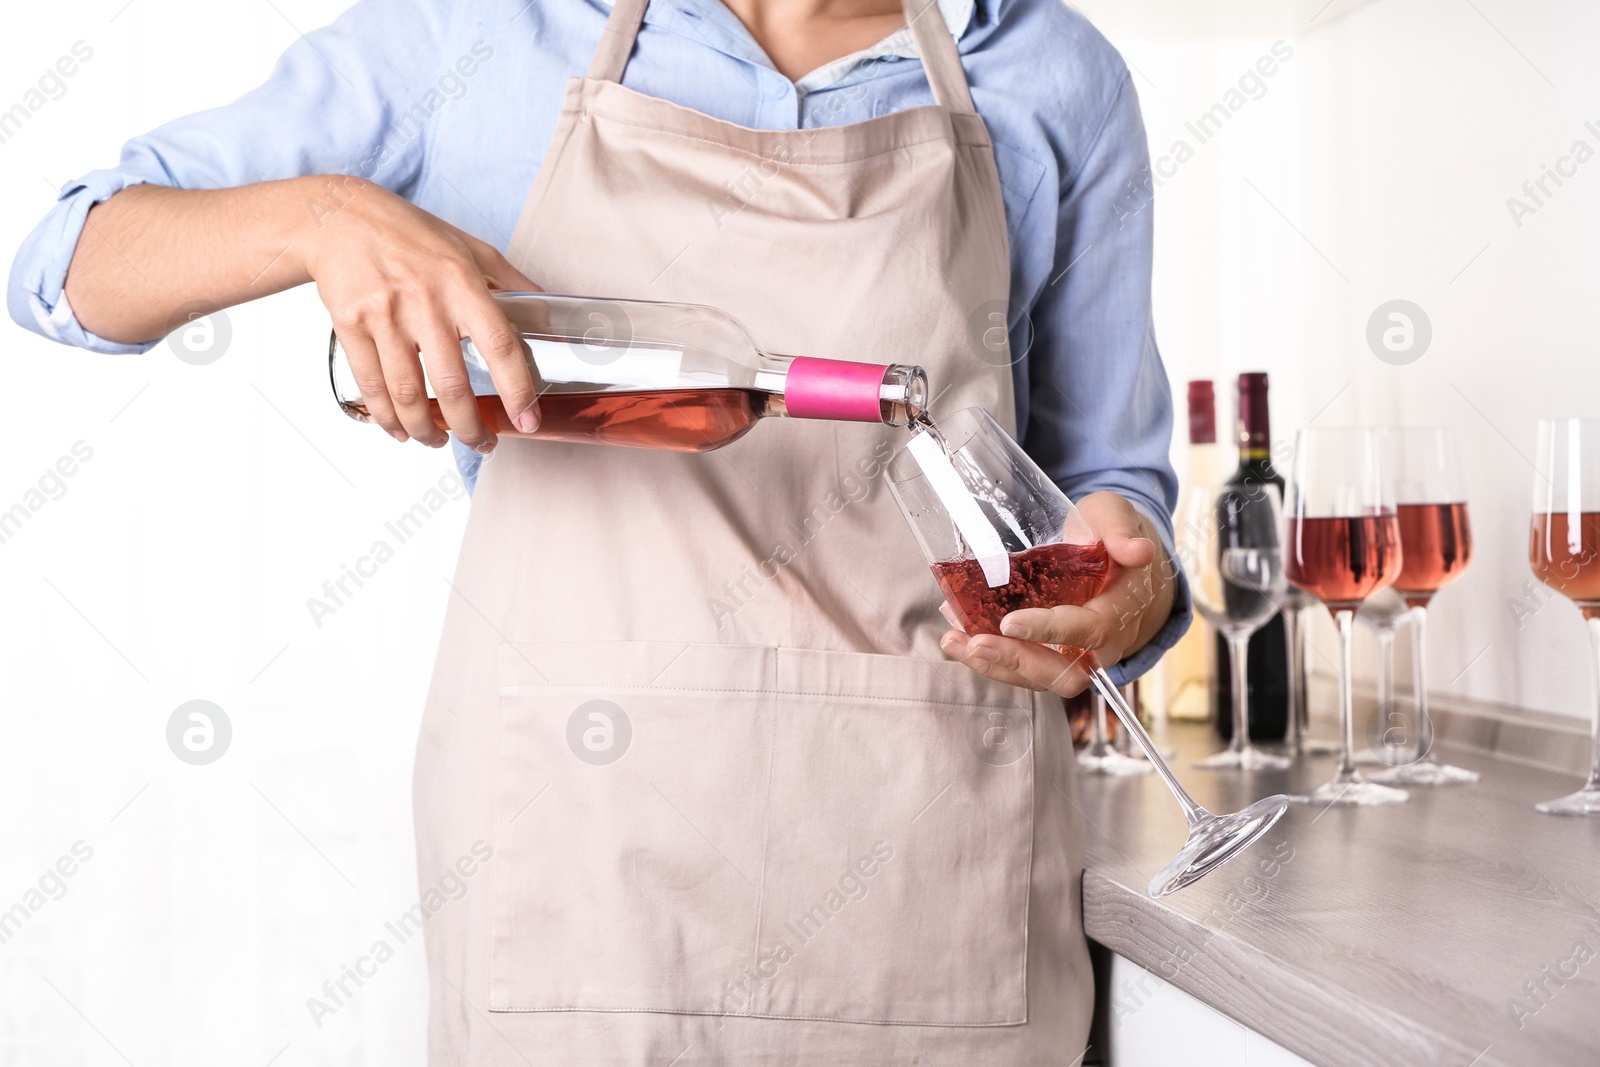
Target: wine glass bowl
982,509
1564,553
1342,543
1436,548
1230,542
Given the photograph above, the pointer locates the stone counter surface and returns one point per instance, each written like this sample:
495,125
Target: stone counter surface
1460,929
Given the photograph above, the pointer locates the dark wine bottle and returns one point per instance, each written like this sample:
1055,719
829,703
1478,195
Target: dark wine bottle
1267,696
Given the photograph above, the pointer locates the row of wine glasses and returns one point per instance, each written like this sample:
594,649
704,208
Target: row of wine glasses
1376,523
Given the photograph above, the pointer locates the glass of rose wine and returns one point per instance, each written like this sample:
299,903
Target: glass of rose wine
1565,555
999,536
1230,540
1435,548
1342,544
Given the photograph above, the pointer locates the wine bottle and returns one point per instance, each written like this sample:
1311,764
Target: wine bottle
681,377
1186,669
1267,683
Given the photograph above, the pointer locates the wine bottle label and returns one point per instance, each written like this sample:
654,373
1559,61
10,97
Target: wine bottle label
964,511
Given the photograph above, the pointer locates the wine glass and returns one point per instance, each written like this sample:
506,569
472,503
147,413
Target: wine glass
999,535
1230,543
1565,554
1342,543
1384,612
1099,756
1435,548
1297,608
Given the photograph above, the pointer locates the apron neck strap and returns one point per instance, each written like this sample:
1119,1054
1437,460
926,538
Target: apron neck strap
616,42
941,61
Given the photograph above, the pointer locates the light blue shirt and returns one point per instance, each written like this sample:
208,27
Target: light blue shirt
452,104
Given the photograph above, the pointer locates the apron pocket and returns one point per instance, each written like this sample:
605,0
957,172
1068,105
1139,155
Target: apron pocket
752,831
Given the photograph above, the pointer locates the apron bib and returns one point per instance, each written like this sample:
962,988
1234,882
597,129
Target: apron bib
741,808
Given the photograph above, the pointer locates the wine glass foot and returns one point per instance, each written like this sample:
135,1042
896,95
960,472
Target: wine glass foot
1585,801
1384,758
1245,759
1215,840
1311,746
1110,761
1351,792
1428,773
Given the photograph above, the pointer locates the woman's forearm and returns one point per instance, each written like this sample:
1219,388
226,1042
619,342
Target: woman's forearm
149,251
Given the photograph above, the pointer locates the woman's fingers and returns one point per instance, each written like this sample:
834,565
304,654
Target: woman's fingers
502,349
408,389
447,373
1021,663
1120,528
497,270
362,352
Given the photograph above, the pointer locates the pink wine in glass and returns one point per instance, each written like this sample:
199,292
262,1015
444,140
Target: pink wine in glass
1568,560
1041,577
1435,547
1342,561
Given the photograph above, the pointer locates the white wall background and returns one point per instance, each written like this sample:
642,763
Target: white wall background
178,561
1377,166
176,567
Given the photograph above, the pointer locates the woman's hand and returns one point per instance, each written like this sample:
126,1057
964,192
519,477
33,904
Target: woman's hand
400,282
397,281
1135,603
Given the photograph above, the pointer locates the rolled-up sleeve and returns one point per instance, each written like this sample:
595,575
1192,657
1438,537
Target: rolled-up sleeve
351,98
1100,408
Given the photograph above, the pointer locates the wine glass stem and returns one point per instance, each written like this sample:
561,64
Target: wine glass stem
1594,709
1419,683
1238,653
1193,813
1297,697
1343,619
1385,640
1100,731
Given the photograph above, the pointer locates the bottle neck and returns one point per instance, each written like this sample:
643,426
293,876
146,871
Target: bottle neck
812,388
1255,436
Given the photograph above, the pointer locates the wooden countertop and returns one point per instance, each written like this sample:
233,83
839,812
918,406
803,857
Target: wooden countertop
1407,934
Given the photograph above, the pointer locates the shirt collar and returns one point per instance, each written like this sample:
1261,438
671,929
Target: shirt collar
901,44
713,23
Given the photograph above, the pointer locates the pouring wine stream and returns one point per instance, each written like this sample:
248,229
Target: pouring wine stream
968,492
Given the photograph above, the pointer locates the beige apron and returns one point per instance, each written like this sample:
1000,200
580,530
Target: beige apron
741,809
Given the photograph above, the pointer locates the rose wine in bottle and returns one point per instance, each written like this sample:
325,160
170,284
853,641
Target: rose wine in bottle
1187,668
680,377
1267,684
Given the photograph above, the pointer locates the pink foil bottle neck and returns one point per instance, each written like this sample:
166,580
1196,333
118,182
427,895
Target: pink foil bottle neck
834,389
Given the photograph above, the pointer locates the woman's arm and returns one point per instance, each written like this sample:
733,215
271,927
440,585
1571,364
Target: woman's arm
396,280
298,180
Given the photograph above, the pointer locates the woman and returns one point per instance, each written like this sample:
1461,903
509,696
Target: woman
771,827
